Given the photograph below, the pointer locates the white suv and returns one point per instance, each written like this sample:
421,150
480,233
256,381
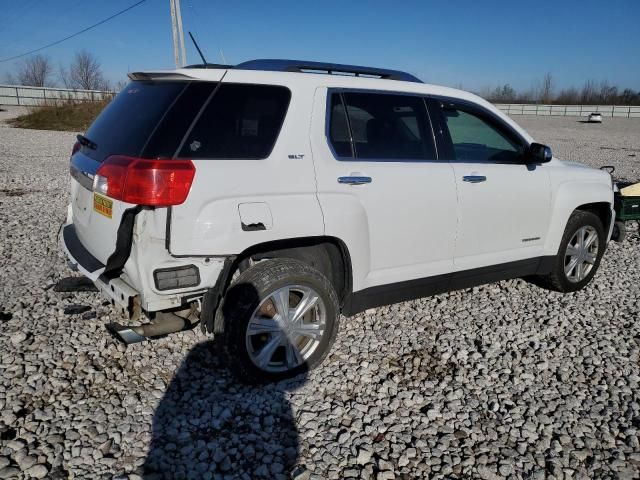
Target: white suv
265,199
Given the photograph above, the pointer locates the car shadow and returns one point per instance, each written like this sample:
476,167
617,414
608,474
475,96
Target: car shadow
210,425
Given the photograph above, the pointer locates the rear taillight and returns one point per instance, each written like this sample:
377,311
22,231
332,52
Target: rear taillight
141,181
76,147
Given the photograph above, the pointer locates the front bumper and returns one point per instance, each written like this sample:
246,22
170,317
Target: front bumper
122,295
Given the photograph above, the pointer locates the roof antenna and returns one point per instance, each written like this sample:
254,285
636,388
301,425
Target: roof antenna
199,51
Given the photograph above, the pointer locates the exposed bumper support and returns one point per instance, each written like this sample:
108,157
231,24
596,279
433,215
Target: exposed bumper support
111,282
121,294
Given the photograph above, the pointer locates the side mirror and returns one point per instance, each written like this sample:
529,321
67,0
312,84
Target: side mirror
539,153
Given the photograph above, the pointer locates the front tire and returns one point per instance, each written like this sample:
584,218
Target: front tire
279,319
579,255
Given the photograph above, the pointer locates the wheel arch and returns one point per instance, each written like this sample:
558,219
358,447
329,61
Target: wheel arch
602,210
329,255
596,197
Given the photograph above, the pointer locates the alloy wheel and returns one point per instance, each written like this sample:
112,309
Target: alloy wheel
286,328
581,254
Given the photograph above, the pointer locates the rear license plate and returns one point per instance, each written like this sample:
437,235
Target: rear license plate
102,205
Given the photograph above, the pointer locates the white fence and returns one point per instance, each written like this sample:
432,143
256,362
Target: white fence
27,96
570,110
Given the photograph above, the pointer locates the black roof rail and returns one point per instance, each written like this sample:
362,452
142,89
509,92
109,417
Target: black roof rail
277,65
209,65
321,67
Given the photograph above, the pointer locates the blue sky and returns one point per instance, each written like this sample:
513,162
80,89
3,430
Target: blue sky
473,44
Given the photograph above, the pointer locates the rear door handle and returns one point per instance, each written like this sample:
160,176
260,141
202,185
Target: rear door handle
354,180
474,178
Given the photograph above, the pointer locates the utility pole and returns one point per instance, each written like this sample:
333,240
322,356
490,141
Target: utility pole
180,32
179,53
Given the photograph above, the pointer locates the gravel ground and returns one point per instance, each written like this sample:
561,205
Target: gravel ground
500,381
614,142
10,111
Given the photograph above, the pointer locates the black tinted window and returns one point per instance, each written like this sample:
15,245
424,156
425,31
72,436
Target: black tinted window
125,124
339,128
475,138
173,126
389,126
241,121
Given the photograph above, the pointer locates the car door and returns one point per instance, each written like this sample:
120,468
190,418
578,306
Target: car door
381,189
503,202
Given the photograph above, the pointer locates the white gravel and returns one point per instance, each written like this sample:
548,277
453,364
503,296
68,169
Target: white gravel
8,112
502,381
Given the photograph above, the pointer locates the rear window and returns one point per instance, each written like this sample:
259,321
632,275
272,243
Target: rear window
151,120
166,138
240,122
126,123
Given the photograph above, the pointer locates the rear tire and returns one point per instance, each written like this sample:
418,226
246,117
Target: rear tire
262,344
581,249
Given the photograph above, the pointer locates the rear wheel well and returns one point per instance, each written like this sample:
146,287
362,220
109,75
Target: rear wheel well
602,210
328,255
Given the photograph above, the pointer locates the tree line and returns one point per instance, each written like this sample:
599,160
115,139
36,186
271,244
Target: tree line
543,92
83,72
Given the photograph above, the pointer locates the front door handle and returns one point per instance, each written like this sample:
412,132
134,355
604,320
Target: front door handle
474,178
354,180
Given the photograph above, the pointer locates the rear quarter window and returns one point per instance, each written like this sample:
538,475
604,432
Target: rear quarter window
239,122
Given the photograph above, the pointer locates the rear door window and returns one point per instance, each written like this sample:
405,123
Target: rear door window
387,127
240,122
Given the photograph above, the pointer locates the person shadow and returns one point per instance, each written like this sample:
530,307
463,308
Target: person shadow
210,425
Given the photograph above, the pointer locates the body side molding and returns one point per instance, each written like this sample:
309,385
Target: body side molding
424,287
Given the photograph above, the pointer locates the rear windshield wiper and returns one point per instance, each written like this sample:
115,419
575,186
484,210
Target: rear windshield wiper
85,142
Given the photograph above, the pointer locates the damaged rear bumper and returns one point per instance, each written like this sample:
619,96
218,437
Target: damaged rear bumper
122,295
132,291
